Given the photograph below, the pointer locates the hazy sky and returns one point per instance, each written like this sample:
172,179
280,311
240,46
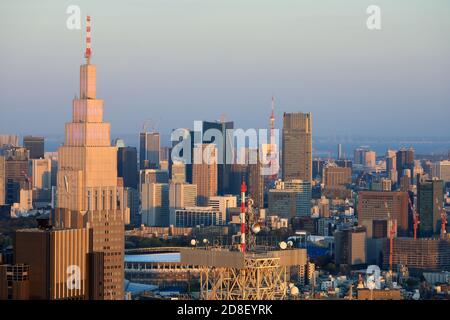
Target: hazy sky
177,61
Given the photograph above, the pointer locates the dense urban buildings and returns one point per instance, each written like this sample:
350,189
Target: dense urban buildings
87,216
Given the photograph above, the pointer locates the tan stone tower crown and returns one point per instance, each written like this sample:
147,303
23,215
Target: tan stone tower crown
88,194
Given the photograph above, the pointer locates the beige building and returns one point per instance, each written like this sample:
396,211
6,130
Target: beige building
297,146
155,204
196,216
182,195
223,203
204,172
350,246
441,170
9,139
375,206
58,259
370,159
178,172
41,173
88,194
336,177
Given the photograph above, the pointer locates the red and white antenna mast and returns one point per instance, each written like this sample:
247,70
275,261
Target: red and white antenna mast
88,51
243,190
272,121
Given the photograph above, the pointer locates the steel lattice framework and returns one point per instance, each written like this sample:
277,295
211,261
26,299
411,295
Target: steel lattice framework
259,279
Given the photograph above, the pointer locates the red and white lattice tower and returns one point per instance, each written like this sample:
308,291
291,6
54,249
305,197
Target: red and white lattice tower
88,51
243,228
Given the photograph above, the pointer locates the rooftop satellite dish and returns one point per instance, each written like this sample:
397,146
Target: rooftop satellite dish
290,244
205,241
294,291
193,242
256,228
283,245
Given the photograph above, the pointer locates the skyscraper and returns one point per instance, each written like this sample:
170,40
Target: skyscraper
87,186
178,172
405,160
204,172
16,173
430,197
339,151
223,167
297,146
149,150
41,180
127,166
35,145
155,204
256,182
182,195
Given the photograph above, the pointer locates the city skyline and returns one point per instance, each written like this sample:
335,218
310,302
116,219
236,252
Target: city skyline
245,205
173,64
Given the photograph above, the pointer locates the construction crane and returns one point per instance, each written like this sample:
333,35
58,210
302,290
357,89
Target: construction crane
443,223
392,231
443,219
27,179
150,124
416,220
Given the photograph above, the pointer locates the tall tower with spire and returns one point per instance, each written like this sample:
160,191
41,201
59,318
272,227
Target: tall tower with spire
89,193
272,148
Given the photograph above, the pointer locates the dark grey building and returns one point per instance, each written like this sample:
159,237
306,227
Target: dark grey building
35,145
